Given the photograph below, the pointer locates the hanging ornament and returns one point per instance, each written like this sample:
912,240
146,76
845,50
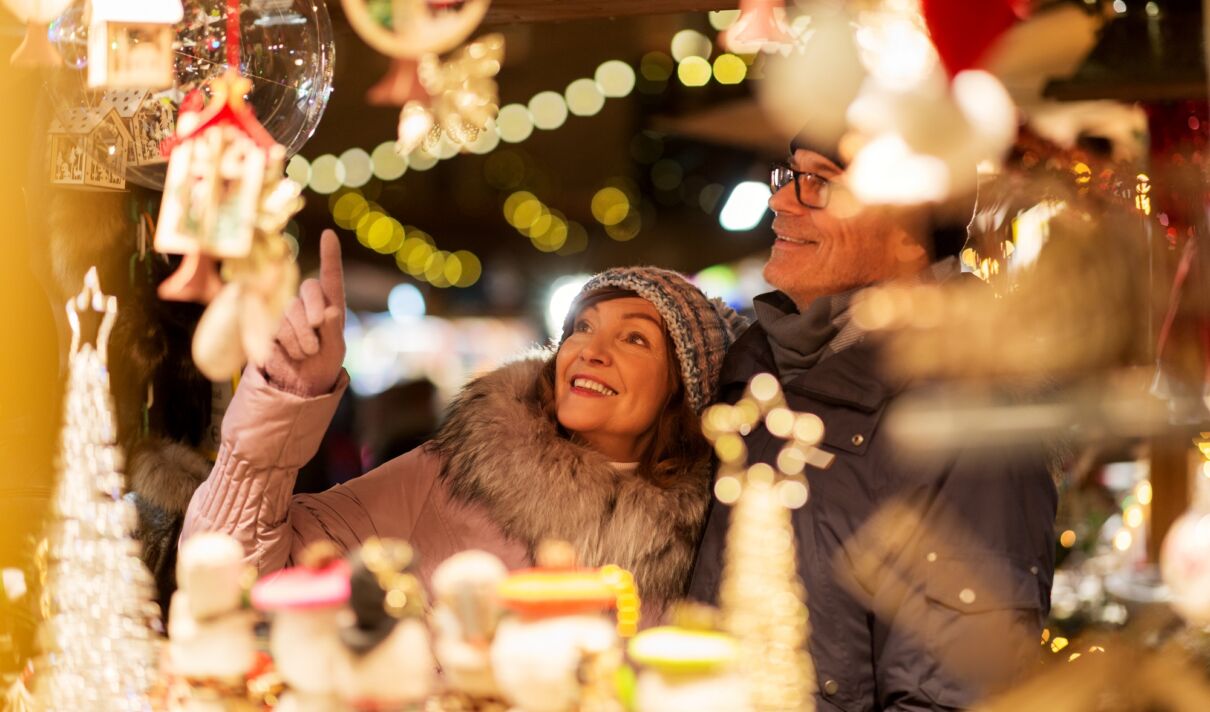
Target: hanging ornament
463,96
964,31
130,43
399,85
89,147
225,198
36,50
286,50
761,27
416,27
760,563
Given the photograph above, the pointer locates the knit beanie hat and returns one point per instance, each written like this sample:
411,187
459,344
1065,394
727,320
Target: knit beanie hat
702,329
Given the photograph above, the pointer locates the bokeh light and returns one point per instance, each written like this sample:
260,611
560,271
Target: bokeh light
405,302
694,72
745,207
729,69
625,229
562,293
386,161
610,206
327,174
722,19
615,78
690,43
514,123
487,140
584,98
667,174
656,66
472,269
348,209
577,240
299,170
421,160
548,109
358,167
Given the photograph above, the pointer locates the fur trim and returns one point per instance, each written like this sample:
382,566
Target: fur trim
165,473
500,454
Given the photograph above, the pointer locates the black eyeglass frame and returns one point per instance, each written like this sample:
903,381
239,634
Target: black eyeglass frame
781,174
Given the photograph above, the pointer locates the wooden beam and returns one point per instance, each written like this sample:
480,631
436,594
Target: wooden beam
505,12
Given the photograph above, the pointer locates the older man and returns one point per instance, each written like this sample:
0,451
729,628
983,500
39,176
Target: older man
927,579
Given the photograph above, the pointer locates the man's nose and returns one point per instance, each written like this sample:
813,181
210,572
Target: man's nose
784,200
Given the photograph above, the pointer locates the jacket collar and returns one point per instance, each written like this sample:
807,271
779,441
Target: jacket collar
851,377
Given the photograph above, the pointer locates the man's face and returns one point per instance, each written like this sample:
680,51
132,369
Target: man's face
822,251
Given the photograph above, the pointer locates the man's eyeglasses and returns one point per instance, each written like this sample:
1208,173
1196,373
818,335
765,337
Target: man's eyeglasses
811,189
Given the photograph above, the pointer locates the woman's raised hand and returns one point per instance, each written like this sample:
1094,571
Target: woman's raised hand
310,347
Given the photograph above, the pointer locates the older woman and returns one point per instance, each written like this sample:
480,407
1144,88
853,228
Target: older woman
598,444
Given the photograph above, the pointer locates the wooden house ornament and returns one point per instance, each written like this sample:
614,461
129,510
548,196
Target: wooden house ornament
150,118
130,43
89,147
221,157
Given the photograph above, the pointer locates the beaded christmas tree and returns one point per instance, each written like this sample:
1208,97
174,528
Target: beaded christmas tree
99,648
762,598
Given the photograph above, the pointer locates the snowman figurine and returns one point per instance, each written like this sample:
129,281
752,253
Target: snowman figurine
465,614
688,666
560,650
390,662
304,638
211,643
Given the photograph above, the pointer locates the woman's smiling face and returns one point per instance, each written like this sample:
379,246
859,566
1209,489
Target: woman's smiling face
612,377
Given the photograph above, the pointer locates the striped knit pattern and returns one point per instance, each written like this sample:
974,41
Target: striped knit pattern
701,328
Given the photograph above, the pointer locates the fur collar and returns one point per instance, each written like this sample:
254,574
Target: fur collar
500,454
165,473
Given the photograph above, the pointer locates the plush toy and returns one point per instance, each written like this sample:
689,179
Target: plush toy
465,615
306,602
211,643
389,664
559,652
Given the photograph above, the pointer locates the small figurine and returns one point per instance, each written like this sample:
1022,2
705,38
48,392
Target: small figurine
560,652
130,43
466,613
211,642
688,666
390,664
304,638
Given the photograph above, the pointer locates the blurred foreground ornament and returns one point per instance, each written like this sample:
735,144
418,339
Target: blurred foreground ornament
761,27
36,50
89,148
466,612
560,652
210,627
391,664
225,198
414,28
763,599
130,43
306,602
1185,558
101,652
688,666
463,96
964,32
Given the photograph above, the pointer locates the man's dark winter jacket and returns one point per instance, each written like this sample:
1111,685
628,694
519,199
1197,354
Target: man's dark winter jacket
928,580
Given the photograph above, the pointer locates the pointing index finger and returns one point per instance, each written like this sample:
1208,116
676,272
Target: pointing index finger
331,271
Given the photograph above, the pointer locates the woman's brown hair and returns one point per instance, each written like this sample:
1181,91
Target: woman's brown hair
677,445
